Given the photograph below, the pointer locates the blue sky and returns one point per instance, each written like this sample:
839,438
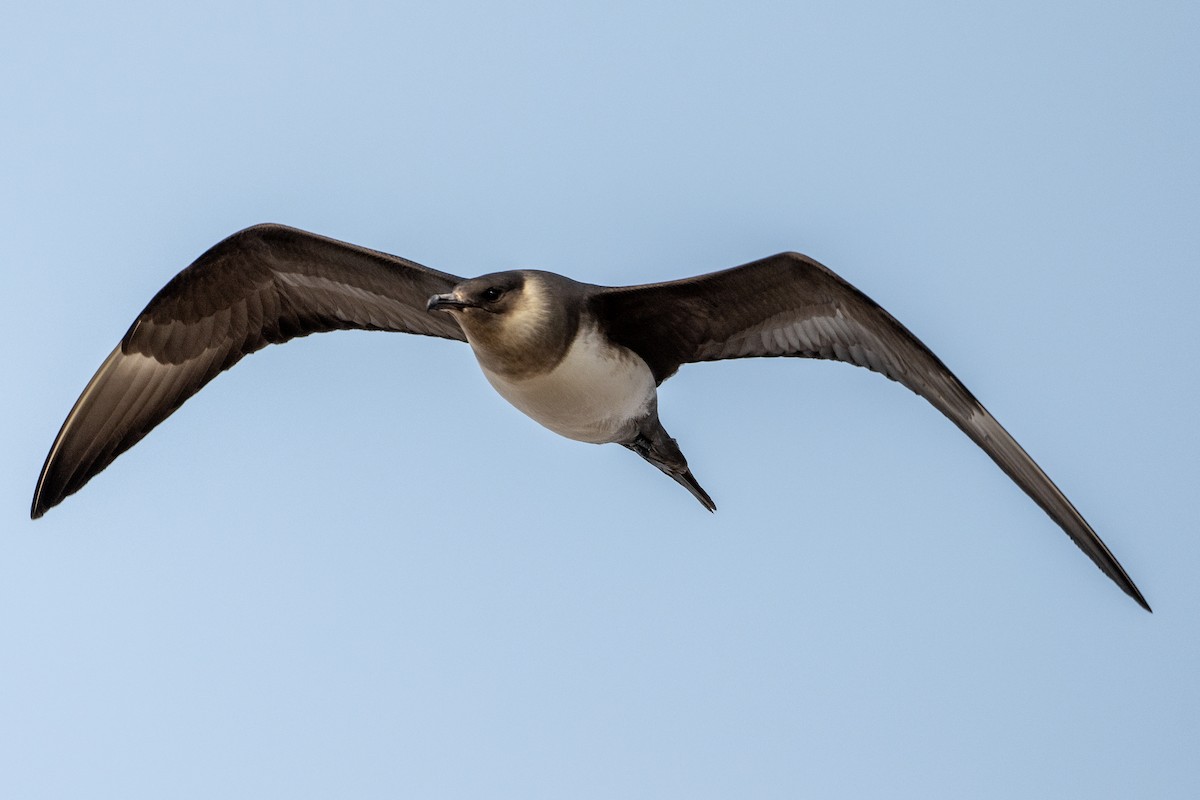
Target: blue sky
348,568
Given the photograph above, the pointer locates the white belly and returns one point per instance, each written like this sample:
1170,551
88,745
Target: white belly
596,393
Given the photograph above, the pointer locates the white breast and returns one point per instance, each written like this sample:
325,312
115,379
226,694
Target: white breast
596,394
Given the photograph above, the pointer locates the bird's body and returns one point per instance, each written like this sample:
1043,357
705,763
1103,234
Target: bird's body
544,346
582,360
596,393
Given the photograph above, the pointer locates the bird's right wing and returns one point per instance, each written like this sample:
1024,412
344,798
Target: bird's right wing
264,285
790,305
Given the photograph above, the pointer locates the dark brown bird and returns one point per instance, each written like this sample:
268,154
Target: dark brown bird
584,361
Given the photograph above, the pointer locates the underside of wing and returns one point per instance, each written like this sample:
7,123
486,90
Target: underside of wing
264,285
790,305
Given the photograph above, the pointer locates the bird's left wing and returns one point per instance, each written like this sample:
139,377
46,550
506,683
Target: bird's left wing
790,305
264,285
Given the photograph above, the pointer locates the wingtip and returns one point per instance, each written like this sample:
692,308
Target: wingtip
44,498
39,507
1118,576
1133,592
1113,569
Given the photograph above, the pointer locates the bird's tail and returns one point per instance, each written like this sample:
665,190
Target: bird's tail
688,481
663,452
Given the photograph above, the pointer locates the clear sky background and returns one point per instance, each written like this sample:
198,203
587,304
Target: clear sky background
349,569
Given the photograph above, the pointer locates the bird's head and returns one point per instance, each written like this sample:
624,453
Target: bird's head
516,322
477,299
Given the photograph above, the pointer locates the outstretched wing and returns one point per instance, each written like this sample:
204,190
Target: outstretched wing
264,285
789,305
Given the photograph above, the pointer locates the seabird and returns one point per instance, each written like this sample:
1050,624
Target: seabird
585,361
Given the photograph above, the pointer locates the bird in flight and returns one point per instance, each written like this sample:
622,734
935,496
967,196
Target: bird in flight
585,361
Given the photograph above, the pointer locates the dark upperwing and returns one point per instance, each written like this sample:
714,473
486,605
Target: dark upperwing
790,305
263,285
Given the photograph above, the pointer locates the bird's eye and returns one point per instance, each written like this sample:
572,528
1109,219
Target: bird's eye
492,294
